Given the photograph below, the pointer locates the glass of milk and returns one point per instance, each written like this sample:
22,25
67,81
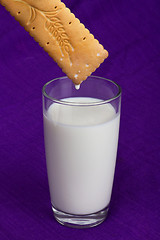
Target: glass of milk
81,130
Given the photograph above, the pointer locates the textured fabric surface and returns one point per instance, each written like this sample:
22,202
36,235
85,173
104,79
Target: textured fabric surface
130,31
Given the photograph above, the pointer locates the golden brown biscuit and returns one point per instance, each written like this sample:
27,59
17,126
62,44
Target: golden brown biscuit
61,34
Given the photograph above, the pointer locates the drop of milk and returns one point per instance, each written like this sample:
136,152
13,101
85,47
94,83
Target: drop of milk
77,86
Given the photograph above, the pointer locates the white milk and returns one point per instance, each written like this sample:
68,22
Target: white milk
81,146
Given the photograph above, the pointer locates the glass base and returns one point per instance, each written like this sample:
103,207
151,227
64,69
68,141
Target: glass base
80,221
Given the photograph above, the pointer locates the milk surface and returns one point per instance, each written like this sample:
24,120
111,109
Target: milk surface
81,147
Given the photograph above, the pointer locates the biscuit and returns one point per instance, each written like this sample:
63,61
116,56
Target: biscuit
60,34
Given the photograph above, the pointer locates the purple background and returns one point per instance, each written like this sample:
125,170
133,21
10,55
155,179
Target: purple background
130,31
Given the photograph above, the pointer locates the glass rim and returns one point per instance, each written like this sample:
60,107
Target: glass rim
80,103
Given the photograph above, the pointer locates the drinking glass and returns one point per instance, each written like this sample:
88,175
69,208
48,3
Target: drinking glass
81,129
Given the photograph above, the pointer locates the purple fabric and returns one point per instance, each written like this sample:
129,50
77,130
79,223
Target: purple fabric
130,31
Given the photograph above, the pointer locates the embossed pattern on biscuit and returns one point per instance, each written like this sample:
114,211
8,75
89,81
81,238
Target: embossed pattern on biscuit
61,34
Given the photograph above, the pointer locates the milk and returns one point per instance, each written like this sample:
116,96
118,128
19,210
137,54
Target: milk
81,147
